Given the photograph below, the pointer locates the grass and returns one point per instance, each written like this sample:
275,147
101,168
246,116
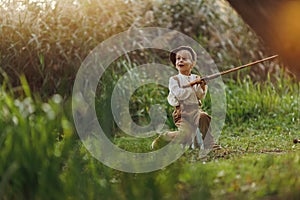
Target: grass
42,158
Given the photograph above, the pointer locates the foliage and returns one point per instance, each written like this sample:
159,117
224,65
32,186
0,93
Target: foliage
34,138
266,96
42,158
47,43
44,41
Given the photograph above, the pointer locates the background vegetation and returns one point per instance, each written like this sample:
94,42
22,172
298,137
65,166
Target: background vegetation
41,157
48,40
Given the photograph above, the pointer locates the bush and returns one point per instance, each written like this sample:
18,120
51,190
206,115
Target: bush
47,43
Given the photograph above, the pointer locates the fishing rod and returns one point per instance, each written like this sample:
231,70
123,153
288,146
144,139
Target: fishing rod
213,76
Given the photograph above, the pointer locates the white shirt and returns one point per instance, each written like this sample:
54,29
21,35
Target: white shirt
188,95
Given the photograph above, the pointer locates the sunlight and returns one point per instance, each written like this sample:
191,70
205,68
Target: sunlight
288,26
22,5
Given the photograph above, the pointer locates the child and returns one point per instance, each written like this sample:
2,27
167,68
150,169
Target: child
187,115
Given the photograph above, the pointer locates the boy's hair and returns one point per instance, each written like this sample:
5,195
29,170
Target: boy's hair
174,52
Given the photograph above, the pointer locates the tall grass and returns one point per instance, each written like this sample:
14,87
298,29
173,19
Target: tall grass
42,158
44,41
47,43
33,141
279,98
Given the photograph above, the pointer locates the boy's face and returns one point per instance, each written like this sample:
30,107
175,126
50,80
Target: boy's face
184,62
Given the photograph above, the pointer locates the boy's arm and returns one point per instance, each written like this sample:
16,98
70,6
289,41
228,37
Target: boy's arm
180,93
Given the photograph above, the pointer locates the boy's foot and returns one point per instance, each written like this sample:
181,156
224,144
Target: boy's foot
216,147
164,138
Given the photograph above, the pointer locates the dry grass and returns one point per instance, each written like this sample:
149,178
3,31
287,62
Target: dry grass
48,41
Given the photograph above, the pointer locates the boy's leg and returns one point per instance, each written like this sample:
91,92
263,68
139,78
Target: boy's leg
204,125
182,135
168,136
185,128
184,119
197,141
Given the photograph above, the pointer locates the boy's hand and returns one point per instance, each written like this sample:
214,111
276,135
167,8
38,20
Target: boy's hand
198,81
202,83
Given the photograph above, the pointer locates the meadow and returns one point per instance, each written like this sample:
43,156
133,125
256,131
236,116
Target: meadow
42,156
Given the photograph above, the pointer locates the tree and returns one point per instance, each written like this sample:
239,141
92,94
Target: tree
276,22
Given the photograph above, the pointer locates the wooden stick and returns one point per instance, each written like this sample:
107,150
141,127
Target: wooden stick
213,76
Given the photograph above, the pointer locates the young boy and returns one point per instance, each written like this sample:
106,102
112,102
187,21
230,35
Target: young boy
187,115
